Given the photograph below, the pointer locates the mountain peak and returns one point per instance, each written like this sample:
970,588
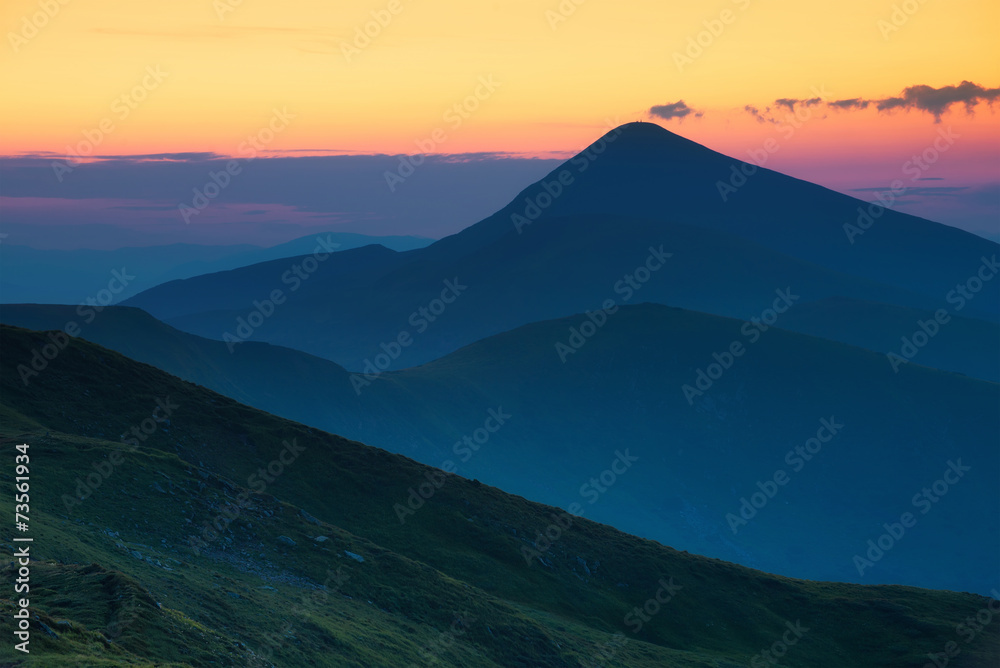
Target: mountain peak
647,142
643,128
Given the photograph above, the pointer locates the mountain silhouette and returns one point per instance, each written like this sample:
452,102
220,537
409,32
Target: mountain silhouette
563,245
314,567
704,447
58,276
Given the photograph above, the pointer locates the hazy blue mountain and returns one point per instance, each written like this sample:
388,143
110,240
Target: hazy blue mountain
231,537
71,276
622,389
280,380
962,345
647,192
699,460
357,300
649,172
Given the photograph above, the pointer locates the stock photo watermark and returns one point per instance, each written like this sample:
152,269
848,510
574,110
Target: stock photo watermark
796,459
308,606
430,653
899,17
465,449
626,287
779,648
563,12
799,114
258,483
103,469
924,501
32,24
968,630
294,277
366,33
420,320
915,168
87,310
591,491
455,116
927,329
704,39
121,108
705,378
248,150
553,189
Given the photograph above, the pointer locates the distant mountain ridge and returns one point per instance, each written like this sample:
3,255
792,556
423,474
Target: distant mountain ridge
640,308
317,569
591,223
69,277
710,405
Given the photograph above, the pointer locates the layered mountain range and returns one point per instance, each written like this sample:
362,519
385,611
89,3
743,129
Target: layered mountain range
655,352
175,527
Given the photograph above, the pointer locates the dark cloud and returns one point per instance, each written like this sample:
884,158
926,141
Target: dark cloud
445,194
163,207
479,156
934,101
162,156
937,101
853,103
926,191
890,103
938,191
756,113
790,103
674,110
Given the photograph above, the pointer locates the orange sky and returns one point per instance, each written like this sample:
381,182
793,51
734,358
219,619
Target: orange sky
229,63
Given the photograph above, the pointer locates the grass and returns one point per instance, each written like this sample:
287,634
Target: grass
116,578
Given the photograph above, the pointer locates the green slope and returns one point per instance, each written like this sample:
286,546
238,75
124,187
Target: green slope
624,389
117,581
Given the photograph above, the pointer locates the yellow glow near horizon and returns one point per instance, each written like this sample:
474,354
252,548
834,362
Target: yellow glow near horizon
558,83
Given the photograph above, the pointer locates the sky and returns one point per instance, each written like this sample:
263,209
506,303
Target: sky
519,82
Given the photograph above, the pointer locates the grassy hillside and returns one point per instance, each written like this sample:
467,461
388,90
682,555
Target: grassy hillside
697,460
316,568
